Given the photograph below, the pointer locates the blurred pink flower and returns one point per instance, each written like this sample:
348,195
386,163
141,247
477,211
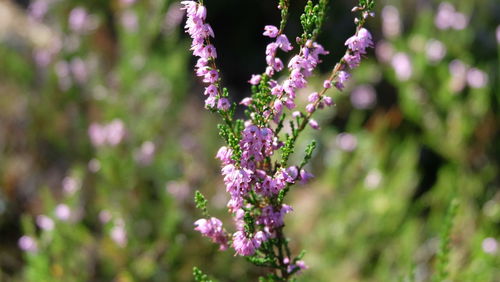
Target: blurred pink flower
111,134
458,71
97,134
63,212
384,51
115,132
347,142
477,78
104,216
173,18
447,17
435,50
144,155
490,245
37,9
27,244
118,234
70,185
391,23
42,57
79,70
363,97
45,222
78,19
402,66
129,21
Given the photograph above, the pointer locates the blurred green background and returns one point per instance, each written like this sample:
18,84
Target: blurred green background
103,141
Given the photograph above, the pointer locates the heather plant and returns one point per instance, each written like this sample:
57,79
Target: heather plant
103,144
255,165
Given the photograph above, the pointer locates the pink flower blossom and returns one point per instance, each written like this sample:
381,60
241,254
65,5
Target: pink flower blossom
313,123
212,228
45,222
360,41
63,212
270,31
255,79
342,78
27,244
246,101
245,246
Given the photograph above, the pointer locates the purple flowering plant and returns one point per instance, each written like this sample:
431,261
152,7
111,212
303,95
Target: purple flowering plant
254,160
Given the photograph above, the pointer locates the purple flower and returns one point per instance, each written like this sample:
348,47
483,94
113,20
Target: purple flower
327,84
97,134
435,50
391,23
328,100
211,90
272,218
79,20
115,132
477,78
298,264
360,41
223,104
305,176
255,79
27,244
293,172
210,102
129,21
314,124
363,97
37,9
283,43
313,97
246,101
145,154
211,76
45,222
63,212
245,246
353,60
224,155
310,108
342,78
118,234
212,228
490,245
256,144
270,31
402,66
347,142
70,185
209,52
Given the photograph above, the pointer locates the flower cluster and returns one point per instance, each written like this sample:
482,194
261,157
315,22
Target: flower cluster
212,228
254,161
201,32
110,134
357,45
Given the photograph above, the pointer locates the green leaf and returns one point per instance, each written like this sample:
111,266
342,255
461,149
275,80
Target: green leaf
201,202
199,276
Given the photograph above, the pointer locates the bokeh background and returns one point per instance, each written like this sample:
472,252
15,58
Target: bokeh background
103,141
